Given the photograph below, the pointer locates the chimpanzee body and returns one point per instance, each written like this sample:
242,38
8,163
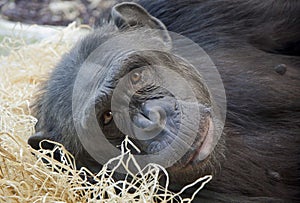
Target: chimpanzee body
247,40
255,45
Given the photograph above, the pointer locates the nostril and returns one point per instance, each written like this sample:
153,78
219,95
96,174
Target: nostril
143,122
156,114
151,118
150,121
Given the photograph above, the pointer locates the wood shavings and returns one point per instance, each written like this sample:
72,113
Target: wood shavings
27,175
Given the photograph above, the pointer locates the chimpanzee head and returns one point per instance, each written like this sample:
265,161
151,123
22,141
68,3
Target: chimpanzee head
131,79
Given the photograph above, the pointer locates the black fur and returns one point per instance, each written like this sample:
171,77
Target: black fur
247,40
255,46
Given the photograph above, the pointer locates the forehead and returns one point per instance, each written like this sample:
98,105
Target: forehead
115,53
124,62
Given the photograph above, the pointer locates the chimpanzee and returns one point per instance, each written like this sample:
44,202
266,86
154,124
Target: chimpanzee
255,47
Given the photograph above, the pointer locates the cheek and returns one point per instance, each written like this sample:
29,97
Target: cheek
113,134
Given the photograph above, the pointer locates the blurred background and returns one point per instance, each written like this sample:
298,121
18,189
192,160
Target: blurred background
55,12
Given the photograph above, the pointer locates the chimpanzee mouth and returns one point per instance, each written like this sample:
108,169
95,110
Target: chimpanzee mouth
202,146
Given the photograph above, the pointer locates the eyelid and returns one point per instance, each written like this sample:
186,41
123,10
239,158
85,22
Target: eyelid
133,68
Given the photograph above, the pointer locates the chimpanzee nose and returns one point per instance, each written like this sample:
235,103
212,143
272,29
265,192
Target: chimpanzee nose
151,119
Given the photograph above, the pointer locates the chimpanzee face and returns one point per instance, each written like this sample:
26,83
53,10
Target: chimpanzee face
154,114
133,81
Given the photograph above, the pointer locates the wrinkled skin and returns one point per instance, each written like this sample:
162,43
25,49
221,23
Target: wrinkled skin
255,46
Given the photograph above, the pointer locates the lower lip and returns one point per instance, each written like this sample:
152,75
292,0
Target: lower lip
205,149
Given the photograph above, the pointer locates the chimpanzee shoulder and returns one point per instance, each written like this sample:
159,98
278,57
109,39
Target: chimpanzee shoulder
272,26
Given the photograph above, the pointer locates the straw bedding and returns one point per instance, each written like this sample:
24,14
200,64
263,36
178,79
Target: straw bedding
27,175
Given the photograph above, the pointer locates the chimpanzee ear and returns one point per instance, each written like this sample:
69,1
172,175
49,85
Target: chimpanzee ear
126,15
35,140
